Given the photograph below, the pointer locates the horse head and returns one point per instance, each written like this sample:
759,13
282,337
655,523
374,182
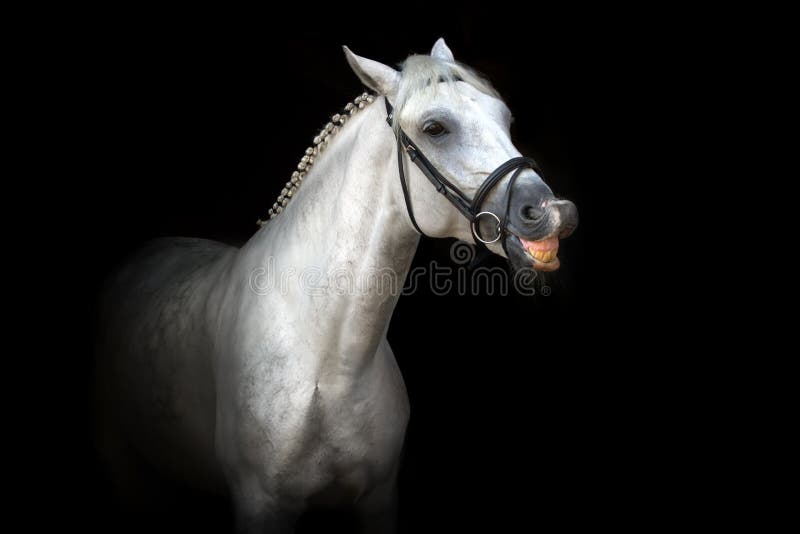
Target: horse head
453,125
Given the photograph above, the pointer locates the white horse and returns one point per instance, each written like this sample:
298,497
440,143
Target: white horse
239,370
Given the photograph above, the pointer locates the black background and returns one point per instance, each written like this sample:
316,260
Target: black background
523,408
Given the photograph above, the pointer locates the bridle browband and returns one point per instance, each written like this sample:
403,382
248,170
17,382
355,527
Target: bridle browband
471,209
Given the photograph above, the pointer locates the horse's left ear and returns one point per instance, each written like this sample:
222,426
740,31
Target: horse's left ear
440,50
380,78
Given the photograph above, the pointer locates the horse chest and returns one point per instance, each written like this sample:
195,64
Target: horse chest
343,434
350,437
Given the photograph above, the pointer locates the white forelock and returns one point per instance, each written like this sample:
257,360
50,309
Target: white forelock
421,75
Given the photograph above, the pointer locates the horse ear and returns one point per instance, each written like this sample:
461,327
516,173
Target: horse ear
377,76
440,50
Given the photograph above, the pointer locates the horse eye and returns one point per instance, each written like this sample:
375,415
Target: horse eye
434,129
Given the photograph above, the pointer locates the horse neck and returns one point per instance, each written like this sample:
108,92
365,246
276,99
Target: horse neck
347,222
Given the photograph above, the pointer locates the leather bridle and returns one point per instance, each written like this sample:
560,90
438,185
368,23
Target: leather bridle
471,209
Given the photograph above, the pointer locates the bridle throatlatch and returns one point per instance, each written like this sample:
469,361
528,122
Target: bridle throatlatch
471,209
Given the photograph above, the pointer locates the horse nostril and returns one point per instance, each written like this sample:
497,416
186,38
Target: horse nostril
532,213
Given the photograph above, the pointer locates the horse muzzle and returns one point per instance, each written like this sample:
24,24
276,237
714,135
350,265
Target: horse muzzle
536,224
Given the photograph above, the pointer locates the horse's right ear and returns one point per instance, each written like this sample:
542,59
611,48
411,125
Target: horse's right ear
382,79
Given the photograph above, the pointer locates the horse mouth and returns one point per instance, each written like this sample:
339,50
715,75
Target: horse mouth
542,253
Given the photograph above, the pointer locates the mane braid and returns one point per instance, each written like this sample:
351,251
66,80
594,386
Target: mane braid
320,143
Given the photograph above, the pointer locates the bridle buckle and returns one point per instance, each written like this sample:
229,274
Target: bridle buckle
499,229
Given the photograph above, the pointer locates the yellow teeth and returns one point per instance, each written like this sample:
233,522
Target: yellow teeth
544,256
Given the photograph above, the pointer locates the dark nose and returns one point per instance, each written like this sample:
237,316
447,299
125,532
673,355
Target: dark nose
530,205
535,212
532,213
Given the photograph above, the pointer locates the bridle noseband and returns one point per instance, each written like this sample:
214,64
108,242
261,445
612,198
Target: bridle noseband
471,209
